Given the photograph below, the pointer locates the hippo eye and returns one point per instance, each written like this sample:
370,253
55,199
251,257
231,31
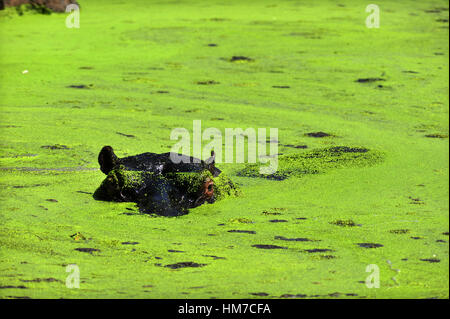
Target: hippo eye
208,188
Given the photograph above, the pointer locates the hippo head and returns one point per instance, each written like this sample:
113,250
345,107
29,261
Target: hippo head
159,186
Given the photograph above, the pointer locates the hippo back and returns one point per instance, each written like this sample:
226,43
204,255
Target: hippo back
162,163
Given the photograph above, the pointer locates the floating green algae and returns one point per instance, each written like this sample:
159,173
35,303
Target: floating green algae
319,50
121,180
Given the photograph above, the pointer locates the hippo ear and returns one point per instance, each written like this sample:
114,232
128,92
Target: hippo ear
211,165
107,159
212,159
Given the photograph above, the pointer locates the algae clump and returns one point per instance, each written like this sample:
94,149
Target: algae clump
193,181
317,161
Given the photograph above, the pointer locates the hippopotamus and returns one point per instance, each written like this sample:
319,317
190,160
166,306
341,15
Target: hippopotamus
159,185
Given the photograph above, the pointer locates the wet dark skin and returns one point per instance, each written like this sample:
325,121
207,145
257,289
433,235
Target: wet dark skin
153,181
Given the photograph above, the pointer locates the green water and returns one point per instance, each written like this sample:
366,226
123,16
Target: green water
127,54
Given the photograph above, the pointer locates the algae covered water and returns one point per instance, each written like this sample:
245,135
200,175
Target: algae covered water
358,205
